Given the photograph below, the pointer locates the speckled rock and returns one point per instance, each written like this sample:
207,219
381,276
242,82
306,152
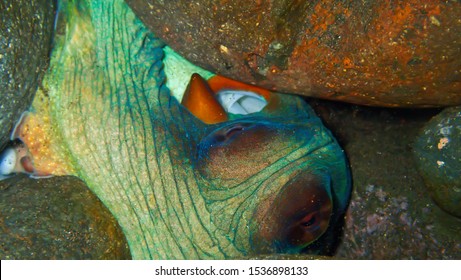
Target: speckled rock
391,214
56,218
438,150
25,41
366,52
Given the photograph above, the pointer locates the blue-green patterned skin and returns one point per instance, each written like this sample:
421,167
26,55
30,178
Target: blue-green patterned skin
179,188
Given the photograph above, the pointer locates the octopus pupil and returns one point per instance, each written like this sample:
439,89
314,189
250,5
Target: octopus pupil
309,223
224,136
234,130
220,138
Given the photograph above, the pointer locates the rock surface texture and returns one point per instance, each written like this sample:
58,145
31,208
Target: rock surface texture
391,215
25,41
438,154
56,218
366,52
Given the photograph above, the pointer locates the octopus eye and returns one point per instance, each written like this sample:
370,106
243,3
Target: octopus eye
223,135
235,130
309,220
298,216
235,150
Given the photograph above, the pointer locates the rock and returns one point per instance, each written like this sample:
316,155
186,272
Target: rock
438,153
56,218
26,29
391,215
366,52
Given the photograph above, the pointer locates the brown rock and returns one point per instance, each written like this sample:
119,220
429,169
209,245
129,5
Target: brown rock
381,53
437,151
391,214
26,29
56,218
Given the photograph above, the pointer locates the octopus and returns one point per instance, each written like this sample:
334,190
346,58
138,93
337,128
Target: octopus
192,165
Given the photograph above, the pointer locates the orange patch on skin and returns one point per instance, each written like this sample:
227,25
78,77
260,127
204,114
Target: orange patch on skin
27,164
201,101
36,133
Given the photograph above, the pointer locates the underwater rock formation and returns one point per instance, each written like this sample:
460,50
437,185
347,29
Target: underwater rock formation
380,53
438,153
390,215
56,218
26,28
272,181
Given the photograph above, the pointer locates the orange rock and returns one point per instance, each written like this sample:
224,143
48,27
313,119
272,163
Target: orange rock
380,53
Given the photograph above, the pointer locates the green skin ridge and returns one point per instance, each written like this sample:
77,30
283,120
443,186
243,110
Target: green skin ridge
136,147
